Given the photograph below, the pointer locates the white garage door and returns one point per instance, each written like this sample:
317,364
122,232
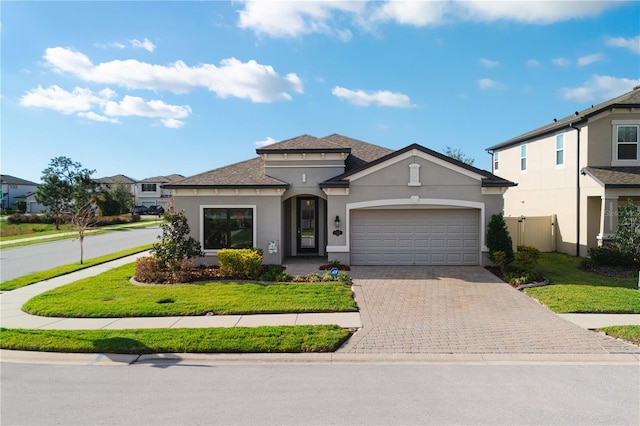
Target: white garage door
415,237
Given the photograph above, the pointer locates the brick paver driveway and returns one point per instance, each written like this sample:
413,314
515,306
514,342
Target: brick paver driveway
462,310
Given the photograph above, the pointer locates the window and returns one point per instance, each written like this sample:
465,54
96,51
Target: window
148,187
559,150
225,227
496,160
627,142
523,157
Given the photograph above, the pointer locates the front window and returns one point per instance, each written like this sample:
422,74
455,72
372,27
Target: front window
148,187
227,228
627,142
496,160
523,157
559,150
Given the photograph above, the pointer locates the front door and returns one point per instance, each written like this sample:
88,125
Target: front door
307,225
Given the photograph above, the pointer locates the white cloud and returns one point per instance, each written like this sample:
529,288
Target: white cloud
267,141
97,117
233,78
57,99
632,44
533,63
299,18
136,106
561,62
487,63
114,44
487,83
600,88
144,44
589,59
379,98
172,123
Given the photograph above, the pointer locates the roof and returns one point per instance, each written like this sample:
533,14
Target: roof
250,173
12,180
488,179
615,177
628,100
162,179
116,179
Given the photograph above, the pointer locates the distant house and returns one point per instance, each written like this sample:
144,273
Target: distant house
345,199
32,205
150,191
14,188
109,181
578,170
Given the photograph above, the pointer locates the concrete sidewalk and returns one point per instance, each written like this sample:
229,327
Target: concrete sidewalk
12,316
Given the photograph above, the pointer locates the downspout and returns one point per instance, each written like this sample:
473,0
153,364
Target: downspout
577,190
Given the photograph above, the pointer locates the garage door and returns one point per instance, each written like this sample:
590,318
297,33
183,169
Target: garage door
415,237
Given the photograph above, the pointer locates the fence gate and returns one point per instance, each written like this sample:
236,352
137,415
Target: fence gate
535,231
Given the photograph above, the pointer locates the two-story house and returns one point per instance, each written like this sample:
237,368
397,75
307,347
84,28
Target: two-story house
578,170
347,200
15,188
150,191
126,181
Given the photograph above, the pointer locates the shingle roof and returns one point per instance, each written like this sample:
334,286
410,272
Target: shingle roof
250,173
162,179
116,179
12,180
615,177
629,99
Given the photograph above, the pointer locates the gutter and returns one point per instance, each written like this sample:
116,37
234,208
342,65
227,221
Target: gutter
571,125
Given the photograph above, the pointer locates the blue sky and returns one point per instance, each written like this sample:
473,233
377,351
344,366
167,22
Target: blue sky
156,88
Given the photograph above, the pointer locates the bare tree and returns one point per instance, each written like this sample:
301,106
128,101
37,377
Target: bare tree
81,220
457,154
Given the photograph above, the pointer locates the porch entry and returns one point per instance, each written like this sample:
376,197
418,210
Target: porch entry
307,225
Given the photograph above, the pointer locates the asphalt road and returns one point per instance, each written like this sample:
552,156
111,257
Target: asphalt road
300,394
18,261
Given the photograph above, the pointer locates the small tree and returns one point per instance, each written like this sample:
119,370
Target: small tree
81,220
457,154
499,240
627,237
175,244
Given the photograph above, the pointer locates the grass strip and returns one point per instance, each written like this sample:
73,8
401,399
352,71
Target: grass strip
576,291
630,333
67,269
111,295
280,339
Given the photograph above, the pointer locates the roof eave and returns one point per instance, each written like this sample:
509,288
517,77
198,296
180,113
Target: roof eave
248,186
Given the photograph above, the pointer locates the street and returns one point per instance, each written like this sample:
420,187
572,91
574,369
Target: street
19,261
169,394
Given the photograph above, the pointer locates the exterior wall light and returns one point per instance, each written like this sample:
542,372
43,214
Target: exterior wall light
337,222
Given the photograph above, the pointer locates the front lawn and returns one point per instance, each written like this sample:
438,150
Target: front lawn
630,333
282,339
111,294
573,290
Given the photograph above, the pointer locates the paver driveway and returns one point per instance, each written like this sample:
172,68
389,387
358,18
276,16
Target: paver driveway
427,309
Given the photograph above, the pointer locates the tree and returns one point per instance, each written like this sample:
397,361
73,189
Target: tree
627,237
64,183
499,240
457,154
81,220
175,244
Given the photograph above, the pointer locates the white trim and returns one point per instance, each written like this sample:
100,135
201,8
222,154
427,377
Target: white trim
305,166
414,153
413,202
614,143
526,162
556,150
254,207
225,192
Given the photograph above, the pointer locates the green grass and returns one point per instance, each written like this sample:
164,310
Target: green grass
66,269
110,294
10,232
630,333
281,339
576,291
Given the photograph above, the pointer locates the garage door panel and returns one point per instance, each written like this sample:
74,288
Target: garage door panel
415,237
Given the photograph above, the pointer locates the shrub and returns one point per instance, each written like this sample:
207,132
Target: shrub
175,245
271,272
609,256
327,277
527,257
627,237
18,218
498,239
148,271
344,278
313,278
240,263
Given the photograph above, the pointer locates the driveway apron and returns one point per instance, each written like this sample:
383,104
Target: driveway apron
466,309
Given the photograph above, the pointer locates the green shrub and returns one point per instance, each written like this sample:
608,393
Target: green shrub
327,277
610,256
313,278
627,237
527,257
498,239
175,244
148,271
240,263
18,218
271,272
344,278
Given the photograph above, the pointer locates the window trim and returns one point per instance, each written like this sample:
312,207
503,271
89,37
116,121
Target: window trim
615,161
155,187
253,207
523,157
496,161
559,137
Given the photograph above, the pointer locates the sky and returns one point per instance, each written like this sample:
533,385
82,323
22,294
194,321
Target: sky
155,88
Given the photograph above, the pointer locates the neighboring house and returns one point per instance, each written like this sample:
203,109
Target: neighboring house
32,204
580,168
109,181
13,187
150,191
345,199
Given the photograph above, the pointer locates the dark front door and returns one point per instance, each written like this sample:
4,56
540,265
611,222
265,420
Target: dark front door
307,225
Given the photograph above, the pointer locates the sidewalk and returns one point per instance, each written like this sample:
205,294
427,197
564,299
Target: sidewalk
11,315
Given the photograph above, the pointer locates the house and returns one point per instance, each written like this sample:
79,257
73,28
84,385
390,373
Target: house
32,205
109,181
14,187
577,170
150,191
346,200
